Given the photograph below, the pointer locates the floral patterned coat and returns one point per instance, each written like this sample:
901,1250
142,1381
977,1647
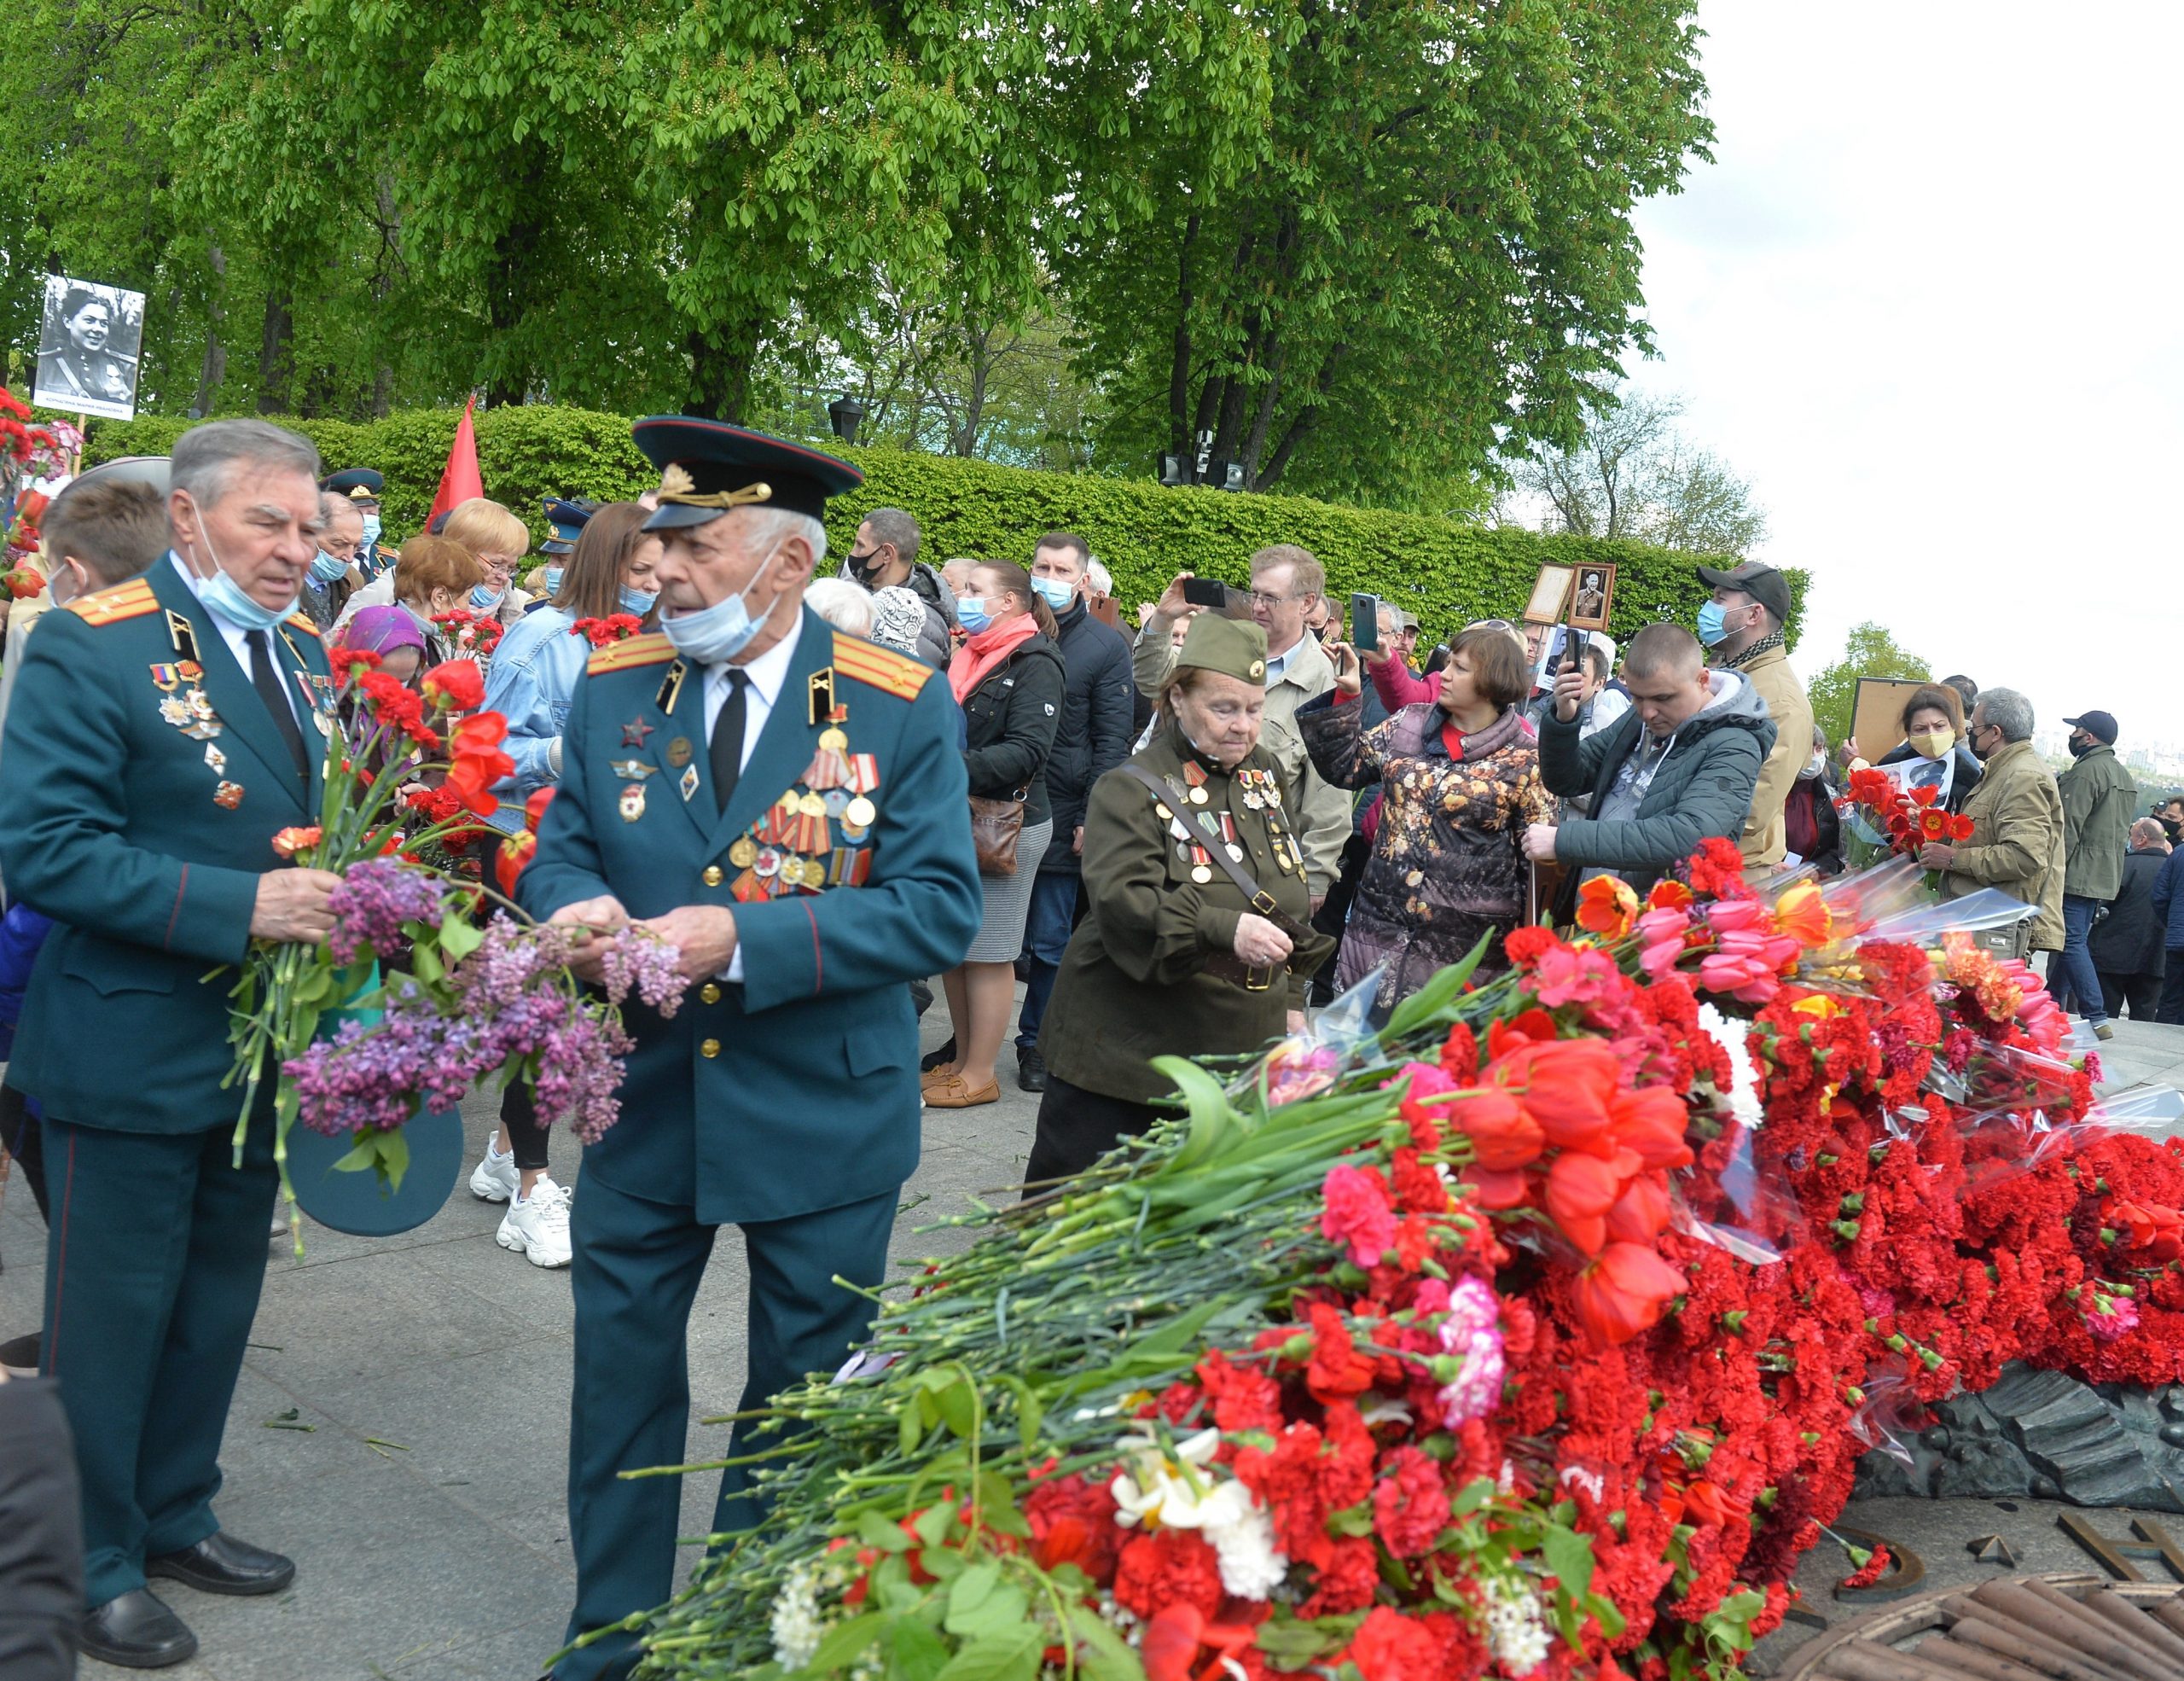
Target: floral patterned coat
1448,862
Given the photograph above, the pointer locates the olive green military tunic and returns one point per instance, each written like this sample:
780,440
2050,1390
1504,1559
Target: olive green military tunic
1135,983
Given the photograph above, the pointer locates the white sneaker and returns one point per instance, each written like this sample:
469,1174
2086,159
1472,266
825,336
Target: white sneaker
497,1178
537,1224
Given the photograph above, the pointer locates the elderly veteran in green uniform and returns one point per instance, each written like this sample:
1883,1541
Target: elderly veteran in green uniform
1195,940
787,805
160,733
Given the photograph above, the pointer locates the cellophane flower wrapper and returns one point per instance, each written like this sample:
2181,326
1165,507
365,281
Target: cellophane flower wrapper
1542,1339
1306,1064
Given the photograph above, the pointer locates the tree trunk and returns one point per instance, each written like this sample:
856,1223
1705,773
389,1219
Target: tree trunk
515,254
1262,422
720,380
1179,369
390,219
276,353
1306,422
213,370
966,440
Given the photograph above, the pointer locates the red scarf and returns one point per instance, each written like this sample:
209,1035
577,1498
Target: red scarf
975,659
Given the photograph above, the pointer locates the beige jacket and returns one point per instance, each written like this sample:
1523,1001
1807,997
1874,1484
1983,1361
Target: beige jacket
2016,840
1763,844
1322,810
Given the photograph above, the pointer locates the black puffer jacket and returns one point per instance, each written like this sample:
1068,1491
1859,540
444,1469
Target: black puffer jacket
1012,718
1096,733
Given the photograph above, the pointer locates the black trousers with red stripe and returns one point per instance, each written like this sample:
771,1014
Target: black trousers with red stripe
155,1252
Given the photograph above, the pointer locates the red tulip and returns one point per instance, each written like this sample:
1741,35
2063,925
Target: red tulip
1499,1190
1566,1087
1641,1213
1651,1122
1502,1136
1624,1292
1580,1189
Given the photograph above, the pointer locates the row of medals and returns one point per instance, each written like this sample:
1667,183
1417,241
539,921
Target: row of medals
789,845
1261,792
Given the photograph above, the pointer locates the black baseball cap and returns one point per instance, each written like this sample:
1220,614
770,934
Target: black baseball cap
2101,726
1762,583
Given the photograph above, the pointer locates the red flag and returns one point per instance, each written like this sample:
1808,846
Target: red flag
460,480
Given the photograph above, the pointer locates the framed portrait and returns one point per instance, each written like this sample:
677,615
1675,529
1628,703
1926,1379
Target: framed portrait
1877,714
1548,594
1593,595
90,341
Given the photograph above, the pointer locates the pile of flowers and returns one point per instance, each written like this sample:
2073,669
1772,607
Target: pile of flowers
29,453
430,981
1541,1338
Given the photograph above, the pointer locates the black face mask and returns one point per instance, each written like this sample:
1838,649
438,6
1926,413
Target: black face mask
866,566
2079,749
2173,827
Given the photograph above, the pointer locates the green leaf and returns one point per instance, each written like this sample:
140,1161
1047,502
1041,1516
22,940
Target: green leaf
961,1408
425,964
1569,1556
1102,1653
1432,999
459,938
1210,1117
997,1657
1030,1414
845,1640
875,1531
915,1652
997,1607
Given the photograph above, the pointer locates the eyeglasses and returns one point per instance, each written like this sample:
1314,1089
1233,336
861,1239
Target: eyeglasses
1260,598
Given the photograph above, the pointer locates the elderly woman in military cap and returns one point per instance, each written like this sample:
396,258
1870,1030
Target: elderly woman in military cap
1196,940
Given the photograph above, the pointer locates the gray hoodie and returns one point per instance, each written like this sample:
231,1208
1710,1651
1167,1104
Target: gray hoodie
1656,800
935,641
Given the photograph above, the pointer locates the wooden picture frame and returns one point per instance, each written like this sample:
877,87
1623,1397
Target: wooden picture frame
1593,596
1549,592
1877,714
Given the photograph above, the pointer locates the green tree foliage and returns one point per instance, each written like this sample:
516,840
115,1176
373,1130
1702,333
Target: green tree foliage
1447,571
1871,651
1431,251
1358,244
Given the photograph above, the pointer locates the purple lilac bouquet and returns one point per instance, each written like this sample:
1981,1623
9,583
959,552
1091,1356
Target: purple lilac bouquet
507,1004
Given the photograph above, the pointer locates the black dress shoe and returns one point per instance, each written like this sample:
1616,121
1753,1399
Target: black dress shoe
136,1630
938,1059
1030,1069
221,1564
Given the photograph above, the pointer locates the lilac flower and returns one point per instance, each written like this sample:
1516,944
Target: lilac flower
373,901
1472,1334
640,960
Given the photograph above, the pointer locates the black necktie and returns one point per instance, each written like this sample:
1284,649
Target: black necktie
265,678
726,747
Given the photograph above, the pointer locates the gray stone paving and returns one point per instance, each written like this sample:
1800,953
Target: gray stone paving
448,1556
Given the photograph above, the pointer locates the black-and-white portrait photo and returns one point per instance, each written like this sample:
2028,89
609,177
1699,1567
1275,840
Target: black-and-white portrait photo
1588,608
88,349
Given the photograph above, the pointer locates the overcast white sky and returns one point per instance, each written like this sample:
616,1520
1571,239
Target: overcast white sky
1927,301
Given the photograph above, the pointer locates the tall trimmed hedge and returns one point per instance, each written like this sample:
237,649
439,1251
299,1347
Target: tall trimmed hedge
1445,572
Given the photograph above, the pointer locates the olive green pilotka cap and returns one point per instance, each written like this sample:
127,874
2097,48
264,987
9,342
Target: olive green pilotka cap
1233,647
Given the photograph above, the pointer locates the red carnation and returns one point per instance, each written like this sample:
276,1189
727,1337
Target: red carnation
1410,1506
1389,1646
1171,1567
1355,1211
454,685
1337,1370
1073,1522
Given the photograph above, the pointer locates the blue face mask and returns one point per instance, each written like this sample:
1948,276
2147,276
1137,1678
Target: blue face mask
1054,593
485,598
1711,630
970,614
225,596
326,568
715,634
638,602
553,581
371,529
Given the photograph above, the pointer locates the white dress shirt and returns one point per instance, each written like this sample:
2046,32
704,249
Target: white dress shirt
236,637
766,674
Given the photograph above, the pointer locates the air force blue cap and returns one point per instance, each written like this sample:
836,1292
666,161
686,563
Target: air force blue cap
708,467
567,515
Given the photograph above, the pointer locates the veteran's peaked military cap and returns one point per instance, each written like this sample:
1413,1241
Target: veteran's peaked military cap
708,467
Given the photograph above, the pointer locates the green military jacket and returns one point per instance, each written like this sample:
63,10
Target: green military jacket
1134,984
2017,840
146,781
2099,799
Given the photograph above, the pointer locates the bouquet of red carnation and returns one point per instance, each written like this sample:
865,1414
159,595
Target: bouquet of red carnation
602,632
474,634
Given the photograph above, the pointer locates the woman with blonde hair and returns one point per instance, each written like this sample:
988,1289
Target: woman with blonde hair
497,541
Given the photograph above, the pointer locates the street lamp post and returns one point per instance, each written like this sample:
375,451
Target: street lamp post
842,414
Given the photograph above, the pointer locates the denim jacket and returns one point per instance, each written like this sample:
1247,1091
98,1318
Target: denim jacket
533,678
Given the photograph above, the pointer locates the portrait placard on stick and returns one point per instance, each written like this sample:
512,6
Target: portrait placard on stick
1588,608
1548,594
88,348
1877,714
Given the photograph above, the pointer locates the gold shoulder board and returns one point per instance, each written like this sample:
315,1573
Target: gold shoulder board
132,600
650,649
298,621
881,667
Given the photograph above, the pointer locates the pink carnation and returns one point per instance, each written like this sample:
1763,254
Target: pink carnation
1569,975
1357,1212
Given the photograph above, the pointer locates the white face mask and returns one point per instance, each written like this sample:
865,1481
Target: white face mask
225,597
714,635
